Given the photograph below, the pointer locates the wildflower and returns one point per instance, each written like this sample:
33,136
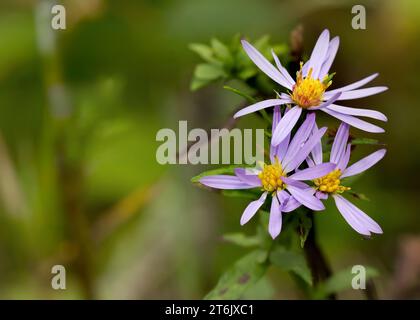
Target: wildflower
331,183
309,91
275,178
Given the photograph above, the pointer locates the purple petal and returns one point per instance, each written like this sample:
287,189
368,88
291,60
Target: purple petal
355,217
286,125
340,141
310,162
364,163
321,195
361,93
291,204
325,104
264,65
274,225
224,182
348,215
358,112
317,171
252,208
283,196
306,198
300,137
331,53
319,53
354,85
354,122
258,106
295,183
304,151
276,117
276,120
342,164
248,176
282,148
317,150
283,70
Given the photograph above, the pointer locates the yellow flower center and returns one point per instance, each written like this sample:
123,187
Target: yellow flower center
271,175
309,92
331,183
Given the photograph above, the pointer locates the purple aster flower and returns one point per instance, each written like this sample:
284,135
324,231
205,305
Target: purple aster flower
309,91
330,184
276,178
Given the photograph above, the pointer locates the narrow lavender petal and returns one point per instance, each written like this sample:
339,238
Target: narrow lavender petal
300,137
358,112
354,122
354,85
319,53
275,222
248,176
283,70
310,162
317,150
286,125
330,101
361,93
342,164
295,183
348,215
259,105
284,95
306,198
252,208
340,141
282,147
264,65
276,120
331,53
276,117
364,164
304,151
283,196
358,215
291,204
224,182
321,195
317,171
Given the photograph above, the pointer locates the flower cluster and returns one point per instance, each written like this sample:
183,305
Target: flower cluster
297,174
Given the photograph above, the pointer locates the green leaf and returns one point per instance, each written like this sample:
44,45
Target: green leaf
361,141
247,73
291,261
198,84
242,275
221,50
340,281
241,239
248,194
224,170
240,93
207,71
205,52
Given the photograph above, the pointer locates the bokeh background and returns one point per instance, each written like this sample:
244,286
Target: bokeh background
79,112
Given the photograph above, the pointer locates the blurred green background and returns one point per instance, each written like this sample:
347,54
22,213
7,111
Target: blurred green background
79,112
